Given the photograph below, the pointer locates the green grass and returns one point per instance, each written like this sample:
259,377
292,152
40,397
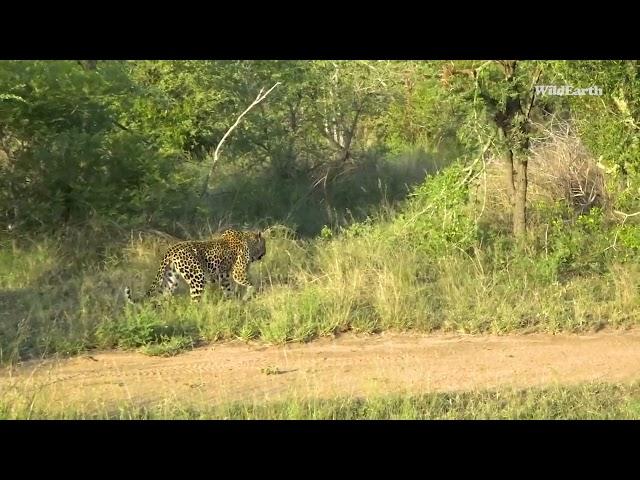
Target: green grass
588,401
424,265
57,301
168,346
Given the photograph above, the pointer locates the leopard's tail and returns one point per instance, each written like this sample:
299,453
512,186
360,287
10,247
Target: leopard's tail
127,295
155,285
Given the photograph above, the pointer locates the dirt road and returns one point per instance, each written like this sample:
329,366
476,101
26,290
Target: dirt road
349,365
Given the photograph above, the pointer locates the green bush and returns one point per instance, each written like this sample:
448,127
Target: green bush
438,217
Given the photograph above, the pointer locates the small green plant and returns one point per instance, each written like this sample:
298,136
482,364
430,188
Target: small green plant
326,232
168,346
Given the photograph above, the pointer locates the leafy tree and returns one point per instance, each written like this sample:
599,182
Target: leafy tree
502,96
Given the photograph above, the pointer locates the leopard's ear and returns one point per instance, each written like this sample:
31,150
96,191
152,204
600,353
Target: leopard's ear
259,234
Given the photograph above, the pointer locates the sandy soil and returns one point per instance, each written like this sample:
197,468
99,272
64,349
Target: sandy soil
349,365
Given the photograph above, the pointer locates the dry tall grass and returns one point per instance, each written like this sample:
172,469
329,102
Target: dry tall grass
560,170
65,294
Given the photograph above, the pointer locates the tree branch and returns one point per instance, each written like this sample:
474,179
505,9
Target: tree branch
626,215
126,129
261,96
88,64
533,93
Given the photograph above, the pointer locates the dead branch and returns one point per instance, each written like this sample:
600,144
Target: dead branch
261,96
626,215
615,238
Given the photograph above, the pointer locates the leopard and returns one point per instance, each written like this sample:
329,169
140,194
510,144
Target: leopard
210,261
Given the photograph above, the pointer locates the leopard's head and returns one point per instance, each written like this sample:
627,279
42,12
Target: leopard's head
257,245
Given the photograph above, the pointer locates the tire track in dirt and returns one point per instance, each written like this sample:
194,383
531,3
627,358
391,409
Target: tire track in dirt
349,365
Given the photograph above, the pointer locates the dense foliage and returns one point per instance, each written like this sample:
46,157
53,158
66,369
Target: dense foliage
390,189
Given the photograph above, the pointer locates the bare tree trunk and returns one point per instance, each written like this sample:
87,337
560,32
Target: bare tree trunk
508,168
520,199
